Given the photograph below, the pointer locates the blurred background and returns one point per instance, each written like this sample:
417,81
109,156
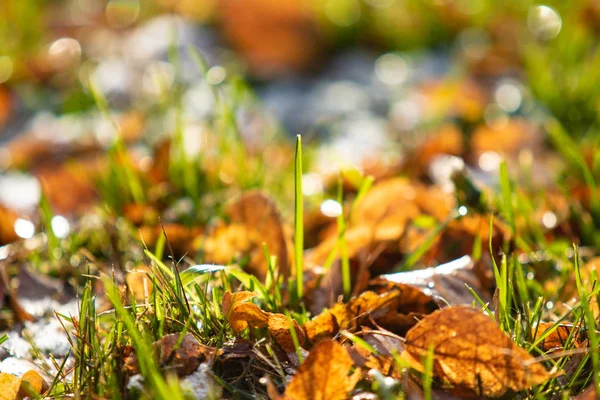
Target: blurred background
366,82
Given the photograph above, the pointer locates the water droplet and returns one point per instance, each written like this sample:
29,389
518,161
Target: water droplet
544,22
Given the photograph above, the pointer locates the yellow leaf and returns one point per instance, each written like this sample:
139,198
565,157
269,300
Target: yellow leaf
9,386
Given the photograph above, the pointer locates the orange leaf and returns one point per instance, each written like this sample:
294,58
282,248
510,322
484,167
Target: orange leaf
254,221
140,283
31,384
280,329
557,339
242,314
472,353
324,375
347,316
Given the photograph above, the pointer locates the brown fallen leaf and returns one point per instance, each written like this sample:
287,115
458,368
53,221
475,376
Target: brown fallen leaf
185,358
386,344
273,36
508,141
588,394
70,187
378,228
254,221
279,328
446,139
242,314
324,375
13,301
557,339
139,282
472,354
349,315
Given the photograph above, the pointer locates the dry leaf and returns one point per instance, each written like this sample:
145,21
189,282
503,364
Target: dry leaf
508,141
255,220
279,328
557,339
588,394
184,359
379,222
274,36
31,384
472,353
324,375
70,187
351,314
242,314
140,283
15,388
386,343
9,386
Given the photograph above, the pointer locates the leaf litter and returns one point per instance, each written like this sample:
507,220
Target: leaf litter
462,281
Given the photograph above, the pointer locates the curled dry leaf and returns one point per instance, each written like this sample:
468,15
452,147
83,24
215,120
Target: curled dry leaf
412,305
324,375
242,314
31,384
349,315
472,354
255,220
15,388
